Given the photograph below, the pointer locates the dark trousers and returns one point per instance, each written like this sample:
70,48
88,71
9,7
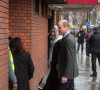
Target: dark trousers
93,60
79,46
69,85
87,48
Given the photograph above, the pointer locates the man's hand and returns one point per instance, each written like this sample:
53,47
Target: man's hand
64,80
15,86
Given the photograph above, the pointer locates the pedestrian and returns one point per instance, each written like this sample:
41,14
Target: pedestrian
53,36
67,62
73,33
87,37
94,43
80,41
24,67
12,76
52,80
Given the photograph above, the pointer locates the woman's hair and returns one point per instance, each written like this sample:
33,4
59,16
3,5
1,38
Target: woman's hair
16,46
10,38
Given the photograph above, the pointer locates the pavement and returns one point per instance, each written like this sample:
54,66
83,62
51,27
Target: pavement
83,81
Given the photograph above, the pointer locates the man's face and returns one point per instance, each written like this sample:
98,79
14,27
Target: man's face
61,29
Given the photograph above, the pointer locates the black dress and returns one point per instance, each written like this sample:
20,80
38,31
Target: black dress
52,80
24,69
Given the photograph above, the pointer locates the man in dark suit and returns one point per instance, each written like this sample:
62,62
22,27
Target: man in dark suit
94,43
67,63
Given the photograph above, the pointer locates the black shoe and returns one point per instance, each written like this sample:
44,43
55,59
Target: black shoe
92,75
87,55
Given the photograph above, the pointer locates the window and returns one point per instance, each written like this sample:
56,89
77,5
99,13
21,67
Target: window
46,12
42,7
34,5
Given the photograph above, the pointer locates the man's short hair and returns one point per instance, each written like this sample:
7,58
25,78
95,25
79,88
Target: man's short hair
65,23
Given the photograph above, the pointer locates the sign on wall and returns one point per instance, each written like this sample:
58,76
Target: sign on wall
82,2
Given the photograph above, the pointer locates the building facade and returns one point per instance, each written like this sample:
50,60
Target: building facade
30,20
27,19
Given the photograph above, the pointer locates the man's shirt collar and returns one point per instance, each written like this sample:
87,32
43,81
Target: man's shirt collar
66,34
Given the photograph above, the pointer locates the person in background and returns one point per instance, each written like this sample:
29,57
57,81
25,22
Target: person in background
94,43
73,33
80,41
67,62
24,67
12,77
87,37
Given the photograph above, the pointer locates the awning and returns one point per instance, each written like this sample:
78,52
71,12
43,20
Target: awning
82,2
65,7
72,5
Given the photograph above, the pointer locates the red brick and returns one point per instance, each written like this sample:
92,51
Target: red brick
4,44
32,28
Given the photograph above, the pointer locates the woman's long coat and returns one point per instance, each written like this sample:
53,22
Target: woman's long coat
24,69
52,80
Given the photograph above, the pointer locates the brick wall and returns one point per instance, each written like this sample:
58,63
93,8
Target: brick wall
20,21
39,46
4,15
32,28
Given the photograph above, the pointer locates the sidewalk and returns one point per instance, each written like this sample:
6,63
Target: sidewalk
83,81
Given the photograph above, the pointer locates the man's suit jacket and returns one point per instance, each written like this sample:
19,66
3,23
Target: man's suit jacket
67,62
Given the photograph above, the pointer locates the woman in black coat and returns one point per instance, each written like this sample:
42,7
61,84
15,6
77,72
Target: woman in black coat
52,80
24,67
